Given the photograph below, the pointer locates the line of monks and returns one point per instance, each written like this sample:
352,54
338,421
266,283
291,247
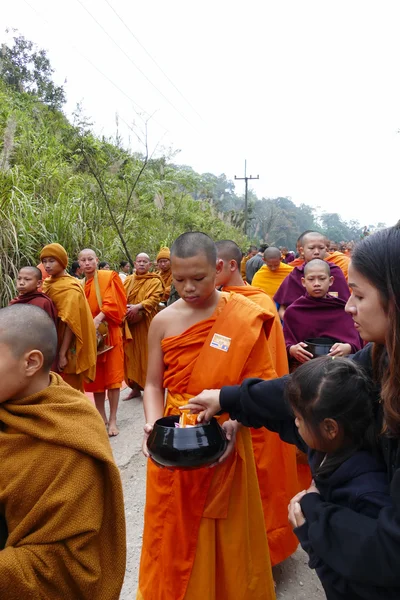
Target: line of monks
209,533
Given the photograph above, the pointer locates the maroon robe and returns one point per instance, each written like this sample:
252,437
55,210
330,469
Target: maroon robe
38,299
310,317
292,288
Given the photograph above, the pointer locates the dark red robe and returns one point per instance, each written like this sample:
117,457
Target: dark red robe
292,288
309,317
38,299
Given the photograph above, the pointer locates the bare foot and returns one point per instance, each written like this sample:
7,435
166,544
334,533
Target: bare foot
134,393
112,429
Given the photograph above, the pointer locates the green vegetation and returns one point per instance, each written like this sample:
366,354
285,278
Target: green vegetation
60,182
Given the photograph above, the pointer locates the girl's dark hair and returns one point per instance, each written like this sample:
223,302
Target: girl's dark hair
339,389
74,267
377,258
103,263
123,264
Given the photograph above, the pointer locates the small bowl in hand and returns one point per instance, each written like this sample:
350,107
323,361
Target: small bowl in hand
319,346
186,447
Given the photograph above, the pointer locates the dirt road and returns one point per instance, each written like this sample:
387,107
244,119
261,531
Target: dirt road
295,581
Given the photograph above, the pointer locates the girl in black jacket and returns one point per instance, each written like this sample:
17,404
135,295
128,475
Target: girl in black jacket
362,550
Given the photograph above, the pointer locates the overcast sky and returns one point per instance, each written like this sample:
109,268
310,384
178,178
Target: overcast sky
308,91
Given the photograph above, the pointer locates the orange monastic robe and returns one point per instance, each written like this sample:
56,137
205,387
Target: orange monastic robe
269,281
204,535
110,365
243,266
297,262
167,281
146,290
275,460
73,311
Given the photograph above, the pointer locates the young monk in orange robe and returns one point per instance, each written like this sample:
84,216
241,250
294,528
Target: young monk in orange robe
144,291
107,300
337,258
61,493
76,332
271,275
204,534
164,271
275,460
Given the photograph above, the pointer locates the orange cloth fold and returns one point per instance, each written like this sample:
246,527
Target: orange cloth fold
167,281
110,365
62,499
269,281
146,290
73,311
197,522
275,460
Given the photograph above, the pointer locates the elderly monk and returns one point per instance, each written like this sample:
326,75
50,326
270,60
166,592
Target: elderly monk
314,245
61,493
271,275
164,271
144,291
107,300
275,460
29,282
204,533
76,332
252,251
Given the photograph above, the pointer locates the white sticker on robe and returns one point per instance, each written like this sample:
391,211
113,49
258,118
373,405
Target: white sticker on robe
220,342
336,294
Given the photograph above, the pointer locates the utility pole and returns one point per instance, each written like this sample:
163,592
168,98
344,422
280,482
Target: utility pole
245,179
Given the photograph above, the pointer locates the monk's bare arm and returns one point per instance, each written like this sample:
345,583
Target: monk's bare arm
65,345
281,311
153,399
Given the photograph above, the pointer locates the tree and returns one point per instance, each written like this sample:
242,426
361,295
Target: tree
26,68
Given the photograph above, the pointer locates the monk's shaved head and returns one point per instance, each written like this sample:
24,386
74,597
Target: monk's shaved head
317,262
142,255
272,252
193,243
24,327
34,271
87,251
229,250
309,235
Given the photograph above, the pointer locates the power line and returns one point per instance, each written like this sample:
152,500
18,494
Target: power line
133,63
152,58
134,103
246,179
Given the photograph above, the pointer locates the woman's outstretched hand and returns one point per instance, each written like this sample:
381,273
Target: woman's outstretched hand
206,404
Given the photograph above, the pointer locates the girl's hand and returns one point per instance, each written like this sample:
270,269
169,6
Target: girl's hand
299,353
148,428
206,404
295,514
340,349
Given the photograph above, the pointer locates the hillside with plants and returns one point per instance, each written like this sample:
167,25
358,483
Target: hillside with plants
61,182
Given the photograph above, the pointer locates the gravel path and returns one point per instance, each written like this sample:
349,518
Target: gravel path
295,581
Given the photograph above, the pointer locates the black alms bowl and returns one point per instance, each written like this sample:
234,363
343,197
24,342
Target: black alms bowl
319,346
186,447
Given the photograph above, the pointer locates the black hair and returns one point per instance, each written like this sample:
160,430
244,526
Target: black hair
229,250
339,389
25,327
103,263
123,264
74,267
193,243
263,247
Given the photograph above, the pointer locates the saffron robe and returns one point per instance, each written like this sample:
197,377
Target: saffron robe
268,280
275,460
38,299
167,281
310,317
110,365
73,311
243,266
204,534
297,262
292,288
146,290
61,496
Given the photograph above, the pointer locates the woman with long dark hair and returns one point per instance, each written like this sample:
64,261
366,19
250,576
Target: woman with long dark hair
362,550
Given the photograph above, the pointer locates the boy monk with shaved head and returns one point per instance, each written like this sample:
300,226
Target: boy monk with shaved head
275,460
144,291
318,314
271,275
105,293
76,333
204,533
29,281
313,245
61,494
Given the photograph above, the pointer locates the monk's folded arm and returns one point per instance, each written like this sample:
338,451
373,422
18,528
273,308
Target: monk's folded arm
53,543
257,403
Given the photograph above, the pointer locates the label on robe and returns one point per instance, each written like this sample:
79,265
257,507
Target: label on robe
220,342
